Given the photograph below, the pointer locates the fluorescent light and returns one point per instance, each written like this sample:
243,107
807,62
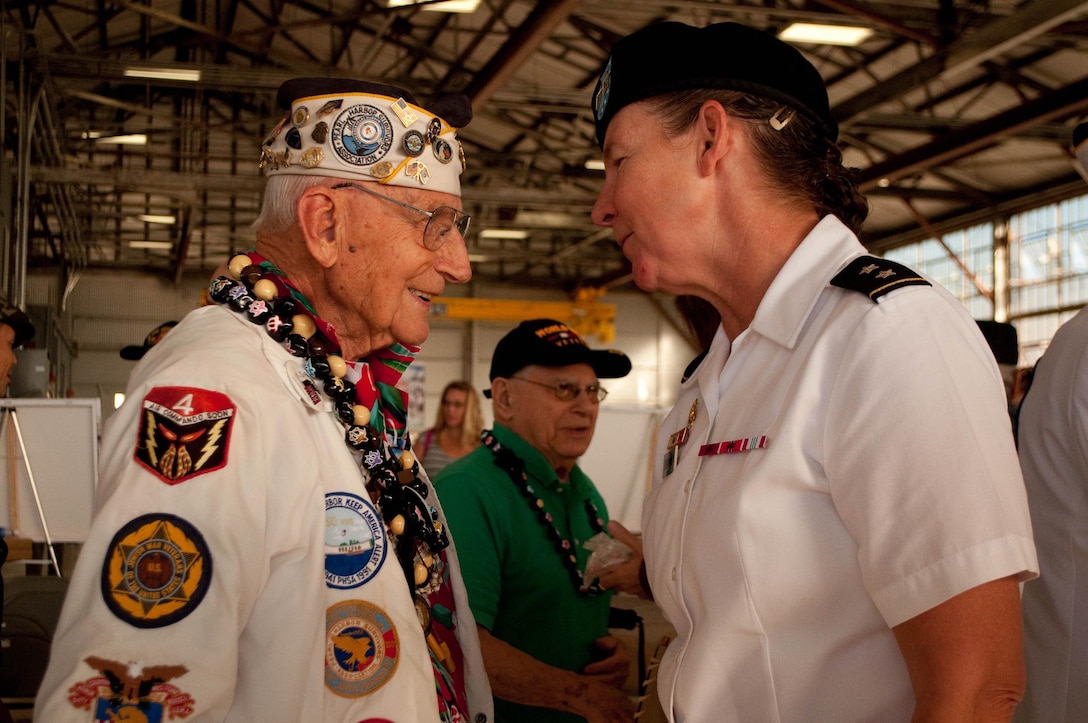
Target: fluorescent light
514,234
132,139
156,218
118,399
451,6
548,219
151,244
191,76
825,34
594,164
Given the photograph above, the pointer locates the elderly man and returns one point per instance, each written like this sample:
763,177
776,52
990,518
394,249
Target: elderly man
521,510
264,547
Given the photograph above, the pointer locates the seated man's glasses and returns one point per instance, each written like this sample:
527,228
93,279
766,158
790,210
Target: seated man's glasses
440,222
566,391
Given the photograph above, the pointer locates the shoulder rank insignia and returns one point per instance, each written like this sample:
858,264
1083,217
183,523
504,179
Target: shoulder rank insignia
692,366
874,276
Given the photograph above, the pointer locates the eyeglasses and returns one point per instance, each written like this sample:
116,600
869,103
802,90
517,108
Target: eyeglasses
440,222
566,392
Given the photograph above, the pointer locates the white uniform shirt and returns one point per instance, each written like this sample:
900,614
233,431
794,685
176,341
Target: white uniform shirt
888,482
267,634
1054,457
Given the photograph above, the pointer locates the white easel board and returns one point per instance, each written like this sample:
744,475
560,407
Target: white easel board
60,439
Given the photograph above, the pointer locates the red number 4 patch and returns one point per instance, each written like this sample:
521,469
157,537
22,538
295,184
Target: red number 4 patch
184,432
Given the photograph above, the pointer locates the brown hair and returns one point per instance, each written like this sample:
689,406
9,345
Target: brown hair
798,159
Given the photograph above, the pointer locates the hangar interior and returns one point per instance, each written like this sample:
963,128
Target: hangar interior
132,133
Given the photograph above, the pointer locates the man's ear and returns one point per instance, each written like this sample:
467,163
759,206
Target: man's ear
713,135
317,210
500,398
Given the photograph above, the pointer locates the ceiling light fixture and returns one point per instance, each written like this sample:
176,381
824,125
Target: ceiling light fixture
594,164
157,218
132,139
512,234
159,245
450,6
189,76
848,35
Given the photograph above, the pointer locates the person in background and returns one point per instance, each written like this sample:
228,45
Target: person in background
135,352
1054,457
15,330
521,511
456,430
837,526
1004,342
264,546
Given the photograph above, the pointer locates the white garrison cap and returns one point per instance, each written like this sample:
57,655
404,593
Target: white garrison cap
363,131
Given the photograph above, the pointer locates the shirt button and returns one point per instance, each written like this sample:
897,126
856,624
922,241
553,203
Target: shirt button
687,487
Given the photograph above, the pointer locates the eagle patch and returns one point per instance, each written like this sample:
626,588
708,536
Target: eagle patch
184,432
132,692
361,648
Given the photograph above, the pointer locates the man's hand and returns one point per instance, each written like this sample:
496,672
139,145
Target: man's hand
627,576
615,665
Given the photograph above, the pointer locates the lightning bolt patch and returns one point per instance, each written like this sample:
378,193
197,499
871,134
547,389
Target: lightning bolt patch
180,423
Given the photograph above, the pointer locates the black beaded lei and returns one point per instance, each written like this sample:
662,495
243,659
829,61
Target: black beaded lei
514,466
394,486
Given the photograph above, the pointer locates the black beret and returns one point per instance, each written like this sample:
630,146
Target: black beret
670,56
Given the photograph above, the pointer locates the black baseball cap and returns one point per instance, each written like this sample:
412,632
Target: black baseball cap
671,56
551,343
133,352
20,323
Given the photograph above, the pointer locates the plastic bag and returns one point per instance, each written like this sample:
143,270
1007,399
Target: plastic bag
606,553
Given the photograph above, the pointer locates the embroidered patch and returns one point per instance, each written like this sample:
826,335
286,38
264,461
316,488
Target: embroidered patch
156,572
361,648
874,276
355,541
132,692
184,432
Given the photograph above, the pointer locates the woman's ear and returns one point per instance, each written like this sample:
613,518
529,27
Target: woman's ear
713,135
317,210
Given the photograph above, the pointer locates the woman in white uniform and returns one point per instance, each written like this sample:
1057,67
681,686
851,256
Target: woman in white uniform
837,525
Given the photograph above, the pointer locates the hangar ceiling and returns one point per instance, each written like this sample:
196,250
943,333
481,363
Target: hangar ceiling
951,109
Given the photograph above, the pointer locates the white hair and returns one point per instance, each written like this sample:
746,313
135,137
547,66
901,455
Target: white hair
278,208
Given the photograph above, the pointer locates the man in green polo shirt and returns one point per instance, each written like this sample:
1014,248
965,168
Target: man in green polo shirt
520,510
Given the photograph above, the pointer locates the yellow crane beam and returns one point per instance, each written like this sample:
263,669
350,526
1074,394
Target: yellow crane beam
585,314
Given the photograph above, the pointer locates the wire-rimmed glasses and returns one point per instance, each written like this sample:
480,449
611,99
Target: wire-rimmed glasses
566,392
440,222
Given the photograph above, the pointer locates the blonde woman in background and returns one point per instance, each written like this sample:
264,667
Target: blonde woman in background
456,430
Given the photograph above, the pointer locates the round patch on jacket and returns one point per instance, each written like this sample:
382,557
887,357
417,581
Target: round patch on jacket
156,572
355,541
184,432
361,648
